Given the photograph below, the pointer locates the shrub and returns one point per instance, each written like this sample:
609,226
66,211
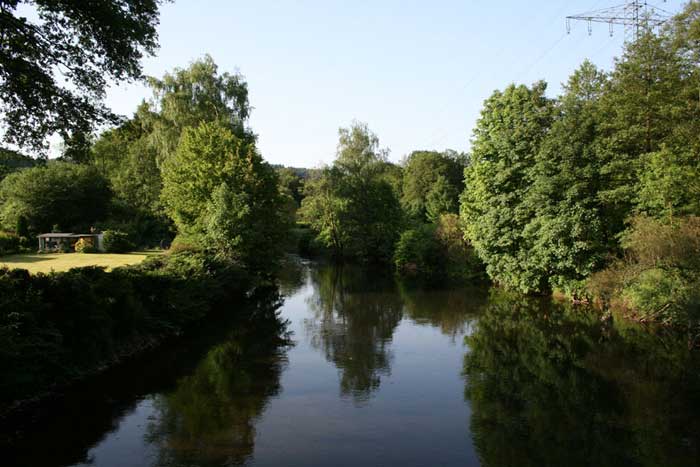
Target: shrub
9,243
659,276
438,253
462,262
116,241
58,326
84,246
419,255
663,295
183,244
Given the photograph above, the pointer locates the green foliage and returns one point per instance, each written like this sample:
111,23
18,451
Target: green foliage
438,253
115,241
494,205
461,261
351,205
552,184
22,228
190,96
665,295
567,237
220,192
71,195
59,326
133,154
12,161
291,184
55,68
670,184
127,158
84,246
422,171
418,254
76,147
550,384
9,243
442,199
659,278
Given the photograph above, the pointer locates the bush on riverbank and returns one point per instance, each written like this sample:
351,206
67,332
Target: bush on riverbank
437,253
59,326
659,277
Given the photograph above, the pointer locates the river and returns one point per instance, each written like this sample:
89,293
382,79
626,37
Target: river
370,372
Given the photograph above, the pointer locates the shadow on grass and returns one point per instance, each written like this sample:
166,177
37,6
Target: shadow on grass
15,259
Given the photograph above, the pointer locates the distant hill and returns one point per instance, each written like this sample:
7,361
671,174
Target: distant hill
15,160
11,161
301,172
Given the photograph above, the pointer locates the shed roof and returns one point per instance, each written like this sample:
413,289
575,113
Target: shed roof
66,235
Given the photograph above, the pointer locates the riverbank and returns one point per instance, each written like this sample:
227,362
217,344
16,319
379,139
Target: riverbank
554,381
61,262
58,328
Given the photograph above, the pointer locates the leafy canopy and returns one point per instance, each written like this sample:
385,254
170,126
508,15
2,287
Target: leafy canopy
351,205
58,193
423,170
220,192
54,71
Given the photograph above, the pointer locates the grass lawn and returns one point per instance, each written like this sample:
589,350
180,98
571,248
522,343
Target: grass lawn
46,262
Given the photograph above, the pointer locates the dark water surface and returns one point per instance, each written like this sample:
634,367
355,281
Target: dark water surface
380,374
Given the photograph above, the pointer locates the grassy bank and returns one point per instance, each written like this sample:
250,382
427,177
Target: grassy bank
59,262
57,327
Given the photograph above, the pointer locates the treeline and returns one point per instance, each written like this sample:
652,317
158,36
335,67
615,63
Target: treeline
365,208
559,190
557,195
184,164
566,195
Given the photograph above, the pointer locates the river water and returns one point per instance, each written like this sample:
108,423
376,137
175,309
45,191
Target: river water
369,372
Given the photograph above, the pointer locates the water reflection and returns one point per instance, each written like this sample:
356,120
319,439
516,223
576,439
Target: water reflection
550,385
545,385
292,275
210,417
355,313
453,311
197,398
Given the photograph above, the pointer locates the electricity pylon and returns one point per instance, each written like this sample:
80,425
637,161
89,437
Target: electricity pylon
636,16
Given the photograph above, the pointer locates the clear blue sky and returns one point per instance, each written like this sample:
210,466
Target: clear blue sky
416,71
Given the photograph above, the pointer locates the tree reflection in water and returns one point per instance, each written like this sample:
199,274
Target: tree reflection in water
355,315
210,416
453,311
552,385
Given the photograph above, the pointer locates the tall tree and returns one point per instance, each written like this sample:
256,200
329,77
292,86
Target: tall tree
645,108
421,172
193,95
352,206
125,156
54,71
506,141
567,237
220,193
